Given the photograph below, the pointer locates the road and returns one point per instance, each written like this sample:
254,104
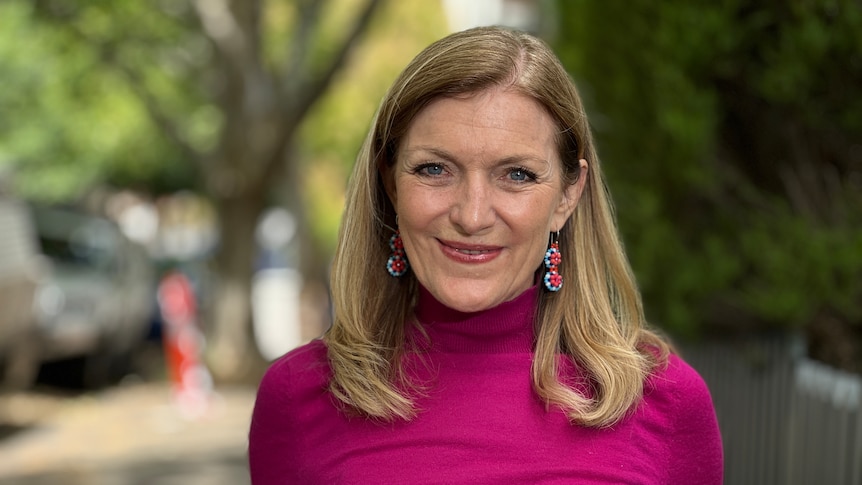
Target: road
132,434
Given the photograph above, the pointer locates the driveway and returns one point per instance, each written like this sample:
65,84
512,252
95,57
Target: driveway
128,435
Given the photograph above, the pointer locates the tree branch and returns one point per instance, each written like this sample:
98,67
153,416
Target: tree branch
236,36
220,25
159,116
309,17
298,105
162,120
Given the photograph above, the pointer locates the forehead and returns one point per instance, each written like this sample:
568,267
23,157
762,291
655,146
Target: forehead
492,121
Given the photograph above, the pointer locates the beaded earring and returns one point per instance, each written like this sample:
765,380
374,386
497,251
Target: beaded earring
553,257
397,264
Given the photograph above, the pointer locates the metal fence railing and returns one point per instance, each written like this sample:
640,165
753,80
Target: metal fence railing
785,419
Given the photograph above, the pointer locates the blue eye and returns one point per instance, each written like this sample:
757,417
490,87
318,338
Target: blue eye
432,169
521,175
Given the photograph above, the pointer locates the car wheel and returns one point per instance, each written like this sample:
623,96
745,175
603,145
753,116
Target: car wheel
22,366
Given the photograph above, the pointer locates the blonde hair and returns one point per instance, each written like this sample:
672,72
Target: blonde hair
596,319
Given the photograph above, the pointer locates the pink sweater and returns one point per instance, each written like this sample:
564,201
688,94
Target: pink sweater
481,421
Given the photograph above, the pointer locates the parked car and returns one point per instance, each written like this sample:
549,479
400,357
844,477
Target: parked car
93,305
20,271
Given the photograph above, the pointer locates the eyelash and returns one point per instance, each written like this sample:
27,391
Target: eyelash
529,174
421,169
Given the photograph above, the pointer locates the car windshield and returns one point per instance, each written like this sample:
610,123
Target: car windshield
74,239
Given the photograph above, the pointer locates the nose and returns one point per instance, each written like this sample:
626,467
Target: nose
473,210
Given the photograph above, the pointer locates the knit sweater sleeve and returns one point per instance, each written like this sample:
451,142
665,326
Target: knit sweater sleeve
695,451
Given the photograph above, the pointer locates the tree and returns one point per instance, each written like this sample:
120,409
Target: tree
728,132
67,123
229,83
263,105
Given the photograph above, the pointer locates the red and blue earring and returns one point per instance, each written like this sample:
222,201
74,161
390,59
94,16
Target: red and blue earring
553,258
397,264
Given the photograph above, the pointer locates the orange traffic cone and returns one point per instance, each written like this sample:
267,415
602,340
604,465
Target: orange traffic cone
183,343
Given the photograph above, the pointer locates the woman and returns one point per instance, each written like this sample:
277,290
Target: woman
487,324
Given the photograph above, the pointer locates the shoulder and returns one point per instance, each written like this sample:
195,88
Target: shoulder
303,366
676,388
677,377
304,361
681,398
290,385
289,382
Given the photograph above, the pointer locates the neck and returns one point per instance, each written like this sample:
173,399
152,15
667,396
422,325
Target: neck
506,328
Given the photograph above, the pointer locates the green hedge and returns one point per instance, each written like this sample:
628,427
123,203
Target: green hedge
732,137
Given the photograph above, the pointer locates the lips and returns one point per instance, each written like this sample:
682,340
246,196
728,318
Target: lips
469,253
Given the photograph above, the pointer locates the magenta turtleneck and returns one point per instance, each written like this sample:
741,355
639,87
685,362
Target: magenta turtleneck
480,422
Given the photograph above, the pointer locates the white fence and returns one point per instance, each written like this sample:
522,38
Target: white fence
785,419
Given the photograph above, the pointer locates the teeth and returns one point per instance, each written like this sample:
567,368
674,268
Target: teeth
470,252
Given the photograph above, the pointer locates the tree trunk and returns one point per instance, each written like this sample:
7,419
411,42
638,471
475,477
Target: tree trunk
232,355
315,315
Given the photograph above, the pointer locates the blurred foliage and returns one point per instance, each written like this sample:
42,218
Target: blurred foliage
731,133
68,123
73,118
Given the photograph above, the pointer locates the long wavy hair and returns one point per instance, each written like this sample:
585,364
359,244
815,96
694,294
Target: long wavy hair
596,319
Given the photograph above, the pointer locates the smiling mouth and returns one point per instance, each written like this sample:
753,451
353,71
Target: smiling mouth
472,252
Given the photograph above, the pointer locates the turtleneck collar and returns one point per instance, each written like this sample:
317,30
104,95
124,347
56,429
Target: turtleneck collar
506,328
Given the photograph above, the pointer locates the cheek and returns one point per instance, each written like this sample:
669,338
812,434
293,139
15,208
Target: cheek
417,202
535,224
536,212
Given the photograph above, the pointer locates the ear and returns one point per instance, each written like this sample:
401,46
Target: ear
571,197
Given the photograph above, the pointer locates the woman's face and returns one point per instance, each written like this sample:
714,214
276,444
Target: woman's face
478,186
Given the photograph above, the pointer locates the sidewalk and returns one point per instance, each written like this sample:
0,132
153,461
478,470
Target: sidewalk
128,435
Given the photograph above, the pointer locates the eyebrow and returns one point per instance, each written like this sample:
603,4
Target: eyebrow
439,152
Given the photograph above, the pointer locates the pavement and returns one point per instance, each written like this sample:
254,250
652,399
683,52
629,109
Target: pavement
132,434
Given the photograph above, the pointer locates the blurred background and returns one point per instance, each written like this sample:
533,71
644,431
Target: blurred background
172,176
